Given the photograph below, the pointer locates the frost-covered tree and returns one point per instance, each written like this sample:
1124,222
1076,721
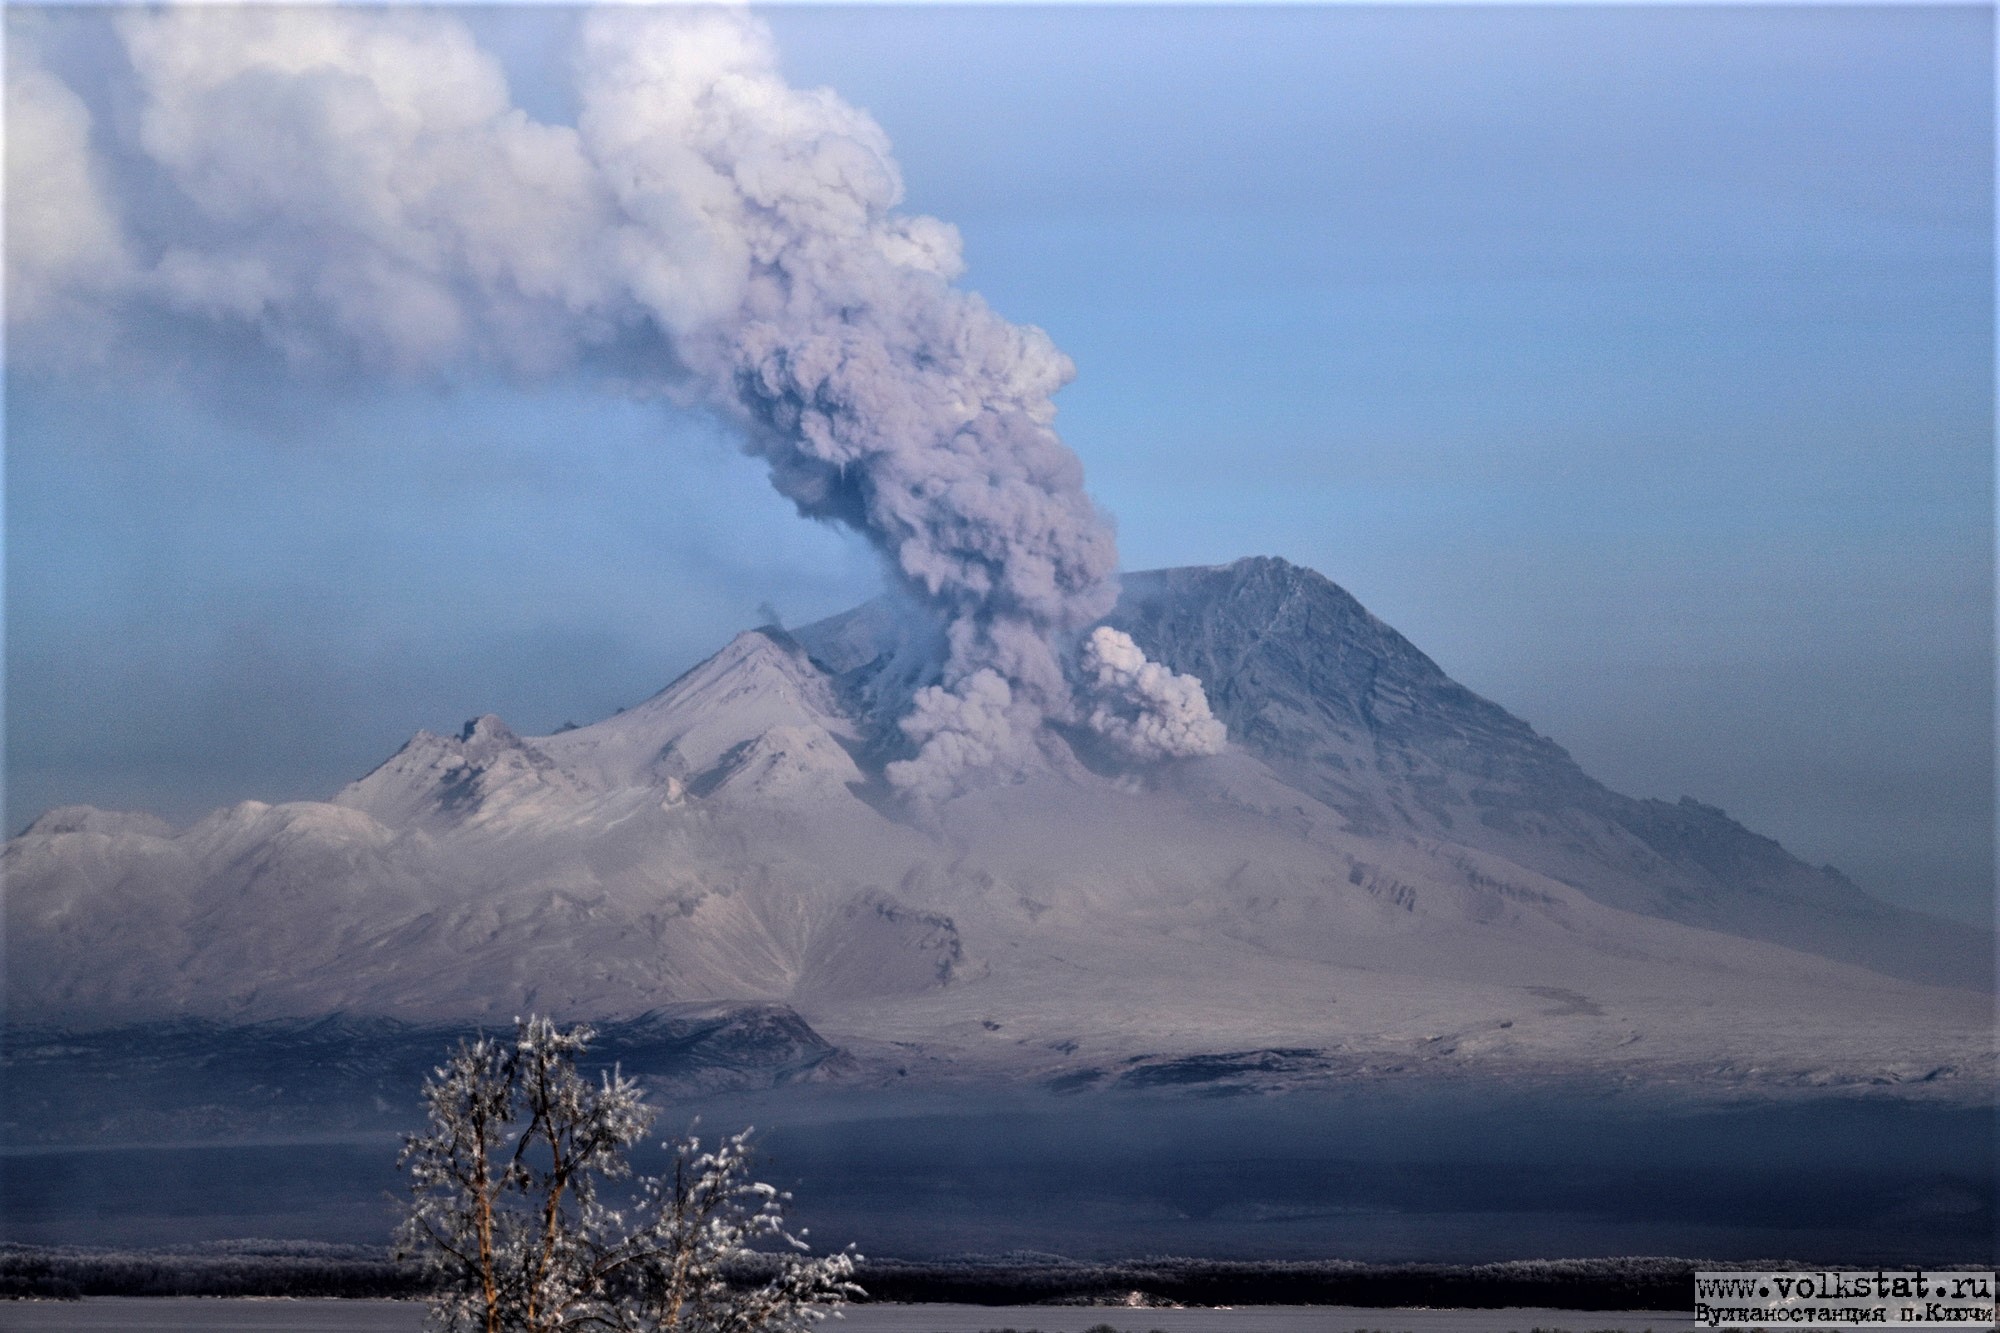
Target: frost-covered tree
509,1212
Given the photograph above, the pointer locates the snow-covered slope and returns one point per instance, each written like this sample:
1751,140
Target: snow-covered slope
1383,873
1339,706
756,720
1346,709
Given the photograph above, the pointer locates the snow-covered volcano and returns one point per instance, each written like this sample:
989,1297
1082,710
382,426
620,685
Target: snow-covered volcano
1383,872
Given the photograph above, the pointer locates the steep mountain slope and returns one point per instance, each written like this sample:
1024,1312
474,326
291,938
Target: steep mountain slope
1349,711
1383,873
758,719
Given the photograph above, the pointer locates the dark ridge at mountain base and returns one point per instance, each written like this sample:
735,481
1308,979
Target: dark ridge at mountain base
1463,1172
194,1080
1346,709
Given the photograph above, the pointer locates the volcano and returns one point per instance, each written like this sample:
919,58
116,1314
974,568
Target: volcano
1383,874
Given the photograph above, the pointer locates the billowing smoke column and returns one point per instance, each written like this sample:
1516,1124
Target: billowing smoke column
1152,712
357,186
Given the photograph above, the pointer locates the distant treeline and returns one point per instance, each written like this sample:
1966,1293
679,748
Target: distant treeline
1564,1284
239,1269
309,1269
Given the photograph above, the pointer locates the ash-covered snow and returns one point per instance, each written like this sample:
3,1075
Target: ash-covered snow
1380,874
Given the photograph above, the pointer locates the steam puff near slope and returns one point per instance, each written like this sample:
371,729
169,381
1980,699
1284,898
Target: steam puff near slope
1148,710
357,186
977,727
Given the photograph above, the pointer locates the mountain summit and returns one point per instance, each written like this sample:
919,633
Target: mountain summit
1344,708
1382,872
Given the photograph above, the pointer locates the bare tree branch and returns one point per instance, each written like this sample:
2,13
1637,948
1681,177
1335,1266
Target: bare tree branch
508,1215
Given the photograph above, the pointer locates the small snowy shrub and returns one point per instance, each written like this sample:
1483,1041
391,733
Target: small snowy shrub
508,1213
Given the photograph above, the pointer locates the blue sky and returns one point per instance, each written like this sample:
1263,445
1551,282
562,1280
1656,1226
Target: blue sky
1636,363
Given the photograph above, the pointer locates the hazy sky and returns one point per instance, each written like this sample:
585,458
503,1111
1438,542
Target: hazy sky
1635,363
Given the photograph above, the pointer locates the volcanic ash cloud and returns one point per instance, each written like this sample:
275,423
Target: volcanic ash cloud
1154,713
357,187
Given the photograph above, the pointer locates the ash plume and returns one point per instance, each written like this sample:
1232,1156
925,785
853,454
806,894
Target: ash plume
1149,710
358,188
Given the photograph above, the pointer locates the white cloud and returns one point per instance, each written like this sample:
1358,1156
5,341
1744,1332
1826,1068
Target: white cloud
64,246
